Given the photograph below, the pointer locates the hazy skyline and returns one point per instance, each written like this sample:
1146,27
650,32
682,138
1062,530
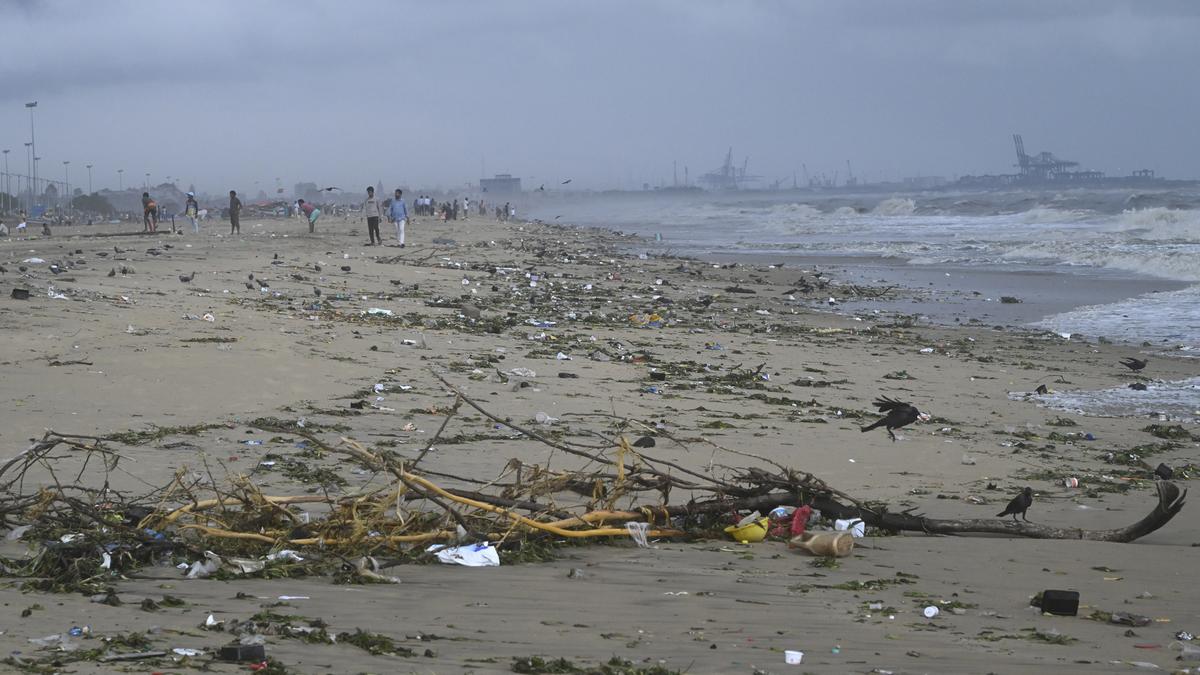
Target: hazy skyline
223,94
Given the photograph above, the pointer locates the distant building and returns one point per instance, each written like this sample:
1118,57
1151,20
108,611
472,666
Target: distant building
924,182
306,191
501,183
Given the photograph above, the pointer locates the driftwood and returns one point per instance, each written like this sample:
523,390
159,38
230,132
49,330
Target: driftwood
1170,503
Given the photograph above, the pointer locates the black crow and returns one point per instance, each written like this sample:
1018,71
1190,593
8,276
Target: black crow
899,414
187,279
1137,386
1134,364
112,272
1042,389
1020,504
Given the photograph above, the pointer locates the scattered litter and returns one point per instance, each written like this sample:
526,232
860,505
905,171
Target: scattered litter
471,555
855,526
931,611
253,653
204,568
379,311
793,657
1062,603
1129,619
637,532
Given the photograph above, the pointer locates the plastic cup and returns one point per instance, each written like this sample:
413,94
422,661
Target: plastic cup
792,657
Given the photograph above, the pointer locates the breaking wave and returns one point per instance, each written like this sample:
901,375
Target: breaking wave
896,206
1160,223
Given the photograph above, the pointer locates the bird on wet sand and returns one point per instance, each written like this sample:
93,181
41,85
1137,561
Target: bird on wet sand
1134,364
1020,504
187,278
897,414
1138,386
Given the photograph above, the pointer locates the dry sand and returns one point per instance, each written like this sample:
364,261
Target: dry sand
134,351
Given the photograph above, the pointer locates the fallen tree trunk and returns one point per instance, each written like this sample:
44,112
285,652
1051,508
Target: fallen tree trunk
1170,503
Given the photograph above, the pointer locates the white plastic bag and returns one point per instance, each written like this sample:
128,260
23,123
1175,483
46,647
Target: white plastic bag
470,555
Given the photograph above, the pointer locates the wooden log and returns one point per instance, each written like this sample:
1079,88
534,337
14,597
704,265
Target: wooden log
1170,502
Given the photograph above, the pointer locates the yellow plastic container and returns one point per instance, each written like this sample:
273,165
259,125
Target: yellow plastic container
755,530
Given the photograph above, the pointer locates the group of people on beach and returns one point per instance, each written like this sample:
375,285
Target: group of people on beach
374,210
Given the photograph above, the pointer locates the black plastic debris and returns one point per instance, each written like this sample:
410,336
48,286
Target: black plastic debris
253,653
1061,603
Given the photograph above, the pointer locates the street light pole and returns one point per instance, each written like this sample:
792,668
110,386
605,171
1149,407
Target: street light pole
7,184
89,167
121,180
146,185
67,183
33,148
28,176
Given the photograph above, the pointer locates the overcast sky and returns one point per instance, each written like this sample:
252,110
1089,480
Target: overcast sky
234,94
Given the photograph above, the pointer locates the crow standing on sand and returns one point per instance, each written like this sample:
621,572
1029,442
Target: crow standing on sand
1020,504
1134,364
899,414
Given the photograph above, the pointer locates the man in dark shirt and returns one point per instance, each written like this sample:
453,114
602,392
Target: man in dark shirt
149,213
235,211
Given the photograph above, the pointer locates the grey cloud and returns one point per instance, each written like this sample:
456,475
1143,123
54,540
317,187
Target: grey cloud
237,93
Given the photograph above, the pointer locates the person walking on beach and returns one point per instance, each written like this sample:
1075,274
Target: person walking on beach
235,213
373,213
191,209
149,213
311,212
398,214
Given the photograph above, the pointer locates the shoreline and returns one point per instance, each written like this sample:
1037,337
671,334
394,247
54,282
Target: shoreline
299,355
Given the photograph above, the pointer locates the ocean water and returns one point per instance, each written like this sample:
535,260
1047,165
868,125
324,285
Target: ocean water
1080,236
1120,264
1175,401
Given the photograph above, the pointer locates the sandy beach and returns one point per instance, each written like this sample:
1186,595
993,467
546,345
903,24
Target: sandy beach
279,324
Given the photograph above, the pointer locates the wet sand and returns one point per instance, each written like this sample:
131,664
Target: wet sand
135,350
